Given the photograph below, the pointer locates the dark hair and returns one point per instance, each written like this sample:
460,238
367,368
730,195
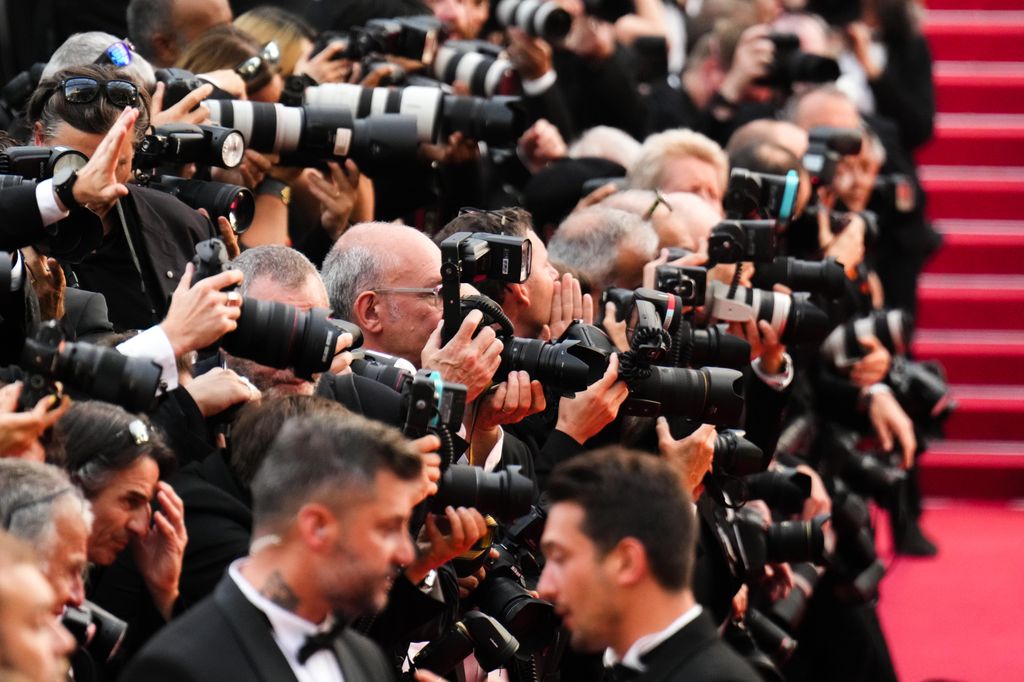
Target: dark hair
146,18
765,157
48,106
627,493
94,440
321,457
512,221
258,423
224,47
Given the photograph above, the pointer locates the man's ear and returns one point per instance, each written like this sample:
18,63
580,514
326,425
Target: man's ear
627,562
516,295
367,312
316,526
37,134
165,48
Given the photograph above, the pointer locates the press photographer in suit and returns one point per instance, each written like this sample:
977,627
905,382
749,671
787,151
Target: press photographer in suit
619,544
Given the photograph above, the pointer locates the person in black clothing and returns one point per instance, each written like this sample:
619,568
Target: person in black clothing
619,544
331,505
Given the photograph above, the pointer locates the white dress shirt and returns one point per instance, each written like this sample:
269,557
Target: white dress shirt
290,633
650,642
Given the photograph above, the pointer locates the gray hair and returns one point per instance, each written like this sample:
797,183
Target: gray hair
82,49
321,457
648,170
605,142
349,271
146,18
589,241
283,265
32,495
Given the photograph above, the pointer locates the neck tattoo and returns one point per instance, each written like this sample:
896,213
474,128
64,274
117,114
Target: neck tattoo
276,590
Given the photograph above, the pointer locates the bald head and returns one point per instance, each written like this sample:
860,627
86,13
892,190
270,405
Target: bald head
782,133
825,106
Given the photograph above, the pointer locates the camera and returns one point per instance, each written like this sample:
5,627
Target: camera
541,18
685,281
825,277
711,395
477,633
480,65
923,391
792,65
783,489
414,37
39,163
608,10
894,192
503,593
855,564
498,121
219,199
505,494
101,373
751,195
95,629
276,334
429,403
766,543
736,241
826,146
16,92
737,456
838,13
795,319
308,135
892,328
179,143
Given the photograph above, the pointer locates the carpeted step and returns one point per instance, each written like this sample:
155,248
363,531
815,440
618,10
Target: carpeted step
973,469
971,302
987,413
974,357
979,87
962,35
977,193
974,5
979,246
976,140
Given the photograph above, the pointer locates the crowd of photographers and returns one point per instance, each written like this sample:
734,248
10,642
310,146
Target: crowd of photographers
511,340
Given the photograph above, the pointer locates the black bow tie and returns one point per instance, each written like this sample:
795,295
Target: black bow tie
320,640
622,673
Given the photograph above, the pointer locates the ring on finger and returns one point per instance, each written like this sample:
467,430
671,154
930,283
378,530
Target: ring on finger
234,298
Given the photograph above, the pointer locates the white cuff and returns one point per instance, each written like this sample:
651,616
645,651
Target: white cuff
154,344
17,271
780,381
541,85
49,210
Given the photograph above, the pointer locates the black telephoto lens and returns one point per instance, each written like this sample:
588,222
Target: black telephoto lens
280,335
498,121
564,366
790,541
711,395
505,494
737,456
825,277
712,347
221,200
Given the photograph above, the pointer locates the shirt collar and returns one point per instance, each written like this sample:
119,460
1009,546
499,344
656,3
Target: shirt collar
289,629
649,642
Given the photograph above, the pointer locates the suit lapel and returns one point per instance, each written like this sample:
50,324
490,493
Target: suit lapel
678,649
252,631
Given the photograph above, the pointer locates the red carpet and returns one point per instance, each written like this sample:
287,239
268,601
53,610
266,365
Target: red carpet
959,617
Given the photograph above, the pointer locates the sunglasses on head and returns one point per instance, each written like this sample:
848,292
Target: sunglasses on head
84,89
253,67
119,54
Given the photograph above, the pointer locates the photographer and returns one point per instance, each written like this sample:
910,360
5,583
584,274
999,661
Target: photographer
163,28
681,161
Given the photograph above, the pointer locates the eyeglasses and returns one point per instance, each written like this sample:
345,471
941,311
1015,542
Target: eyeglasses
434,292
119,54
252,68
31,503
83,89
658,199
469,210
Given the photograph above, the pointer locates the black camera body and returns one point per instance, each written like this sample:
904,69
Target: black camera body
736,241
826,146
765,543
430,403
180,143
792,65
477,633
95,629
688,282
16,92
101,373
276,334
751,195
39,163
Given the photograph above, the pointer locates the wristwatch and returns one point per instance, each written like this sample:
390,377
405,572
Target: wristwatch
275,188
63,184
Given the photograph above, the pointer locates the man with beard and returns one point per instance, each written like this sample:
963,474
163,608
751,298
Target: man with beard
331,507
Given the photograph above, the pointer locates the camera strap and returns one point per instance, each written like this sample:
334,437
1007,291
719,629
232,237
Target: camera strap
134,255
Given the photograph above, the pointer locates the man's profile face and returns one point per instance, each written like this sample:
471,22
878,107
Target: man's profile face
270,380
122,510
540,284
575,581
33,643
409,318
373,544
690,174
68,558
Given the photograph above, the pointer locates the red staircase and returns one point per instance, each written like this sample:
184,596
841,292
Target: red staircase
971,313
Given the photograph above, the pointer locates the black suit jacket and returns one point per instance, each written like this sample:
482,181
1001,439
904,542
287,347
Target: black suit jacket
696,653
226,638
85,315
